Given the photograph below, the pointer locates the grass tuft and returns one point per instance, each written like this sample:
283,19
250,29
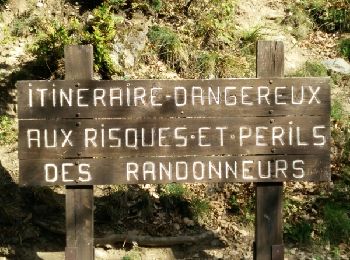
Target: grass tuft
311,69
168,46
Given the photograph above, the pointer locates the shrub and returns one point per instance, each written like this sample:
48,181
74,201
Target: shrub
49,47
214,23
99,31
344,48
329,15
299,232
337,222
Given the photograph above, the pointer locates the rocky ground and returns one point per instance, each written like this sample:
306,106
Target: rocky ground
229,236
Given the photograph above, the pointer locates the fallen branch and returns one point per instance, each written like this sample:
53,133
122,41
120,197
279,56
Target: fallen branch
143,240
56,229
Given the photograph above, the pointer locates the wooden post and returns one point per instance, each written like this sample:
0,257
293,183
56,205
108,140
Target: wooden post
79,199
268,217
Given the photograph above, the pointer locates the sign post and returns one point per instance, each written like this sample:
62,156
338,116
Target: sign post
79,199
81,132
269,196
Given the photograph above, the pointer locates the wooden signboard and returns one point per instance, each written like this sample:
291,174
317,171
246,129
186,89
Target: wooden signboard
159,131
80,132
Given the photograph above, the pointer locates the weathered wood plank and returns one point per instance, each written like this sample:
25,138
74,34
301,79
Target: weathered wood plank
173,98
269,196
79,199
182,136
187,169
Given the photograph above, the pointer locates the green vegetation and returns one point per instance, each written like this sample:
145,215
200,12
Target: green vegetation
299,232
168,46
332,206
206,45
337,111
242,203
25,24
216,65
297,21
344,48
175,196
311,69
200,208
8,130
337,222
174,190
329,15
99,31
134,253
249,38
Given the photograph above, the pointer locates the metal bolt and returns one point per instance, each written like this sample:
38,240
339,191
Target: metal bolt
77,84
77,123
77,114
273,150
76,163
272,120
270,111
79,154
270,81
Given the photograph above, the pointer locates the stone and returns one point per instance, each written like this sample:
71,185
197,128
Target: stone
338,65
188,221
39,4
215,243
129,59
176,226
100,253
108,247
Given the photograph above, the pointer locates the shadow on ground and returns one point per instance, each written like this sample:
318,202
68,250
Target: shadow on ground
32,219
20,209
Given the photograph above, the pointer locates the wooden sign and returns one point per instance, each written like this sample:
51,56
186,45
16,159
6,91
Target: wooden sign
160,131
184,169
173,98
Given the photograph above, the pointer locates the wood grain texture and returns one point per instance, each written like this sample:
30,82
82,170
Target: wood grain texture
194,168
242,101
214,136
269,196
79,200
